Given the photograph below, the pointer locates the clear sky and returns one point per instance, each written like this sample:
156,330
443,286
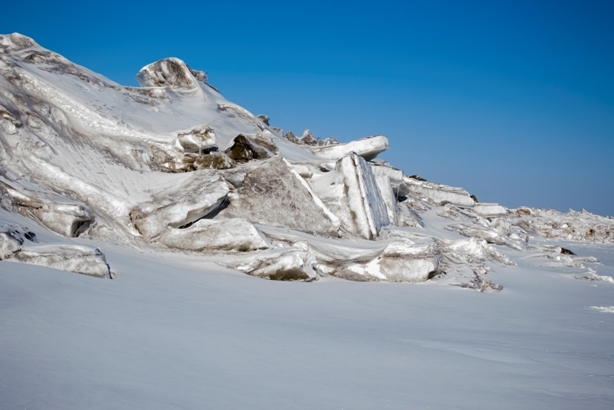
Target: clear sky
512,100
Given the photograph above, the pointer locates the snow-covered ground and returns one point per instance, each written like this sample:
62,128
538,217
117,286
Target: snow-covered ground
188,201
176,332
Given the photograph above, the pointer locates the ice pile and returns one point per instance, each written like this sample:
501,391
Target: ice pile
172,165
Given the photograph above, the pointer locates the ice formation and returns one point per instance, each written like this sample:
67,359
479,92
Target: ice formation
174,166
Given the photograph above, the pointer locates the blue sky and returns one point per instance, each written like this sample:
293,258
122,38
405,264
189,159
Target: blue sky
512,100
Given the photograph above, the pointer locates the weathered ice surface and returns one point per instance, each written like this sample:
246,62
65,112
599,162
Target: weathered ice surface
351,192
368,148
273,193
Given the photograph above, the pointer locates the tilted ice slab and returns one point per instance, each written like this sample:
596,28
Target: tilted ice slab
351,192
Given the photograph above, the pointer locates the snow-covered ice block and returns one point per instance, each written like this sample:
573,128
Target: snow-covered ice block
205,235
280,264
399,261
67,219
368,148
274,193
489,210
471,250
72,258
351,192
193,198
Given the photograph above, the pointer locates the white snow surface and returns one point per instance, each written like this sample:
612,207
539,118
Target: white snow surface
188,201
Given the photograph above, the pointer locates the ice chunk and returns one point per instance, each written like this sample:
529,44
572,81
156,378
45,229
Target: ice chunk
72,258
395,176
199,194
351,192
273,193
438,194
368,148
245,149
199,140
236,234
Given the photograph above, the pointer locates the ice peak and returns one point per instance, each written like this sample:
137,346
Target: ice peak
170,72
15,42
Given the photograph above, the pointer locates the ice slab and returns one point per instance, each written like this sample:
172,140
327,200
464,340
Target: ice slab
72,258
399,261
287,264
208,235
195,197
273,193
351,192
438,194
489,210
368,148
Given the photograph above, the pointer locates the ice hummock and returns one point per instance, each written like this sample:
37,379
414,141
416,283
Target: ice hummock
173,166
